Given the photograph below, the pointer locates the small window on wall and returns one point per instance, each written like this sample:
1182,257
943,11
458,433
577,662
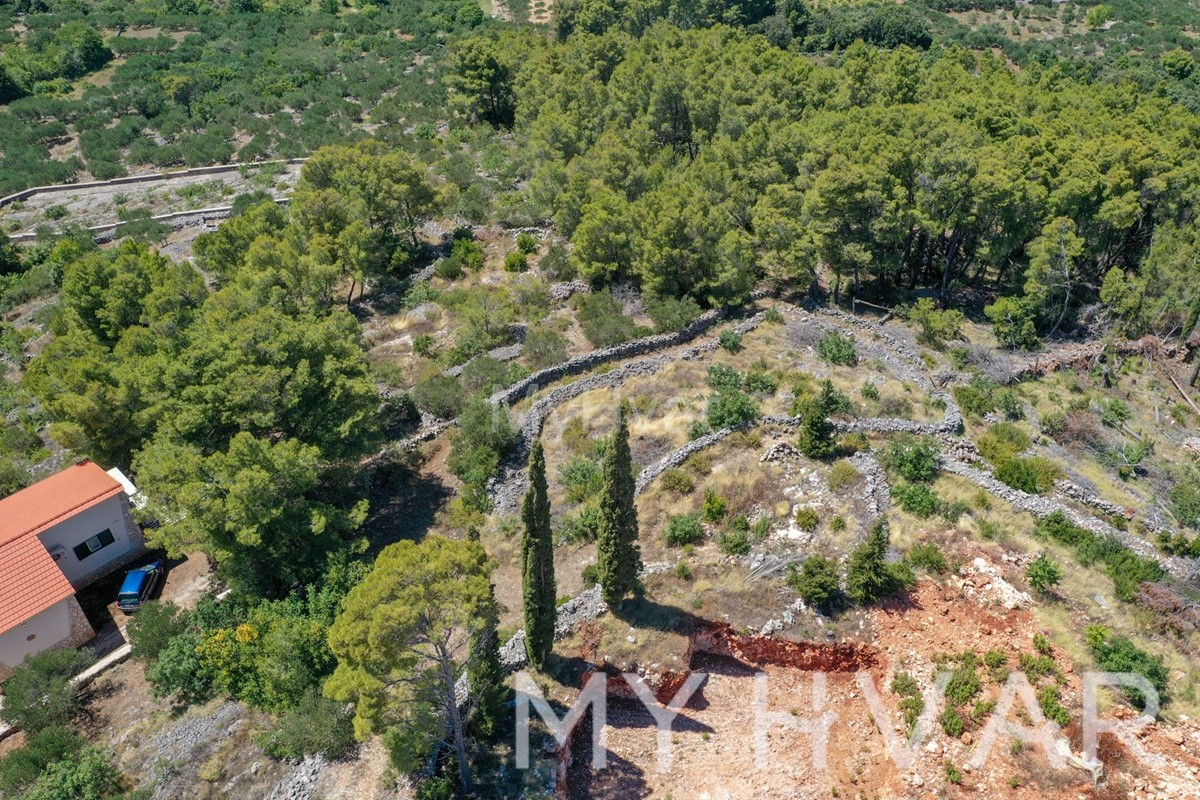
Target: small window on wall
101,540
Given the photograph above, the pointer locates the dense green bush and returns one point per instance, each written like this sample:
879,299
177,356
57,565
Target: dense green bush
672,314
1043,573
720,378
838,349
730,408
730,341
678,481
316,726
927,556
1002,442
544,347
912,458
734,542
684,529
1126,569
582,478
816,582
715,506
22,766
917,499
1120,654
1035,475
603,320
807,519
153,628
440,396
39,694
869,576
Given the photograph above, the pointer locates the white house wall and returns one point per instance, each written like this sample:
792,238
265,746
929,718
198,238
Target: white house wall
112,514
48,629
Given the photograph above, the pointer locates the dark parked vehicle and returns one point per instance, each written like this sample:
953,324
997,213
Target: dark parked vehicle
138,585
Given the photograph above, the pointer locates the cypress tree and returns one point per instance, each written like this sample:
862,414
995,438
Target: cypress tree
537,563
618,558
486,675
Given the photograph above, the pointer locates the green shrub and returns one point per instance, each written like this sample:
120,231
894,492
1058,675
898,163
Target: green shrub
516,261
153,628
730,408
440,396
964,684
842,474
929,557
677,481
582,478
1043,573
914,458
869,576
953,774
869,391
807,519
39,693
424,345
816,582
1035,475
684,529
602,319
730,341
953,512
24,765
1120,654
316,726
959,357
974,401
722,378
1053,423
734,542
1126,569
673,314
773,316
952,724
56,212
937,325
1002,442
838,349
760,383
1048,699
715,506
905,685
590,575
917,499
544,347
527,243
1114,412
837,524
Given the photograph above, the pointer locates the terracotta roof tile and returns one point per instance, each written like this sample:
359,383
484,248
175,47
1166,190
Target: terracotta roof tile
48,502
30,582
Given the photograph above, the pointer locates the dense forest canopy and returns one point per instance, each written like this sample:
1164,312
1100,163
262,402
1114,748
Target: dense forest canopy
698,161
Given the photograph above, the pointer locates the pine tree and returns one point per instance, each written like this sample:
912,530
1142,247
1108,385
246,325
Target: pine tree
537,563
618,558
486,676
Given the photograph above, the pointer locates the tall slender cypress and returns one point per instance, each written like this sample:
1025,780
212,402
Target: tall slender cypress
618,557
537,563
486,675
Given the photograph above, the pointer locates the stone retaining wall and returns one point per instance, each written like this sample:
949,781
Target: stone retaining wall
150,177
1040,507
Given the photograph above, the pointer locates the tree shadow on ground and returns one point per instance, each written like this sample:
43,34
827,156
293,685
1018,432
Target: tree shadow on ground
620,778
643,612
404,505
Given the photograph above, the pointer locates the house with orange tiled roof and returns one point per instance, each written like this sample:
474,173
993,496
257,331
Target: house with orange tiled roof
56,537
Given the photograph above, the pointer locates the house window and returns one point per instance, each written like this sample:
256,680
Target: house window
102,539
